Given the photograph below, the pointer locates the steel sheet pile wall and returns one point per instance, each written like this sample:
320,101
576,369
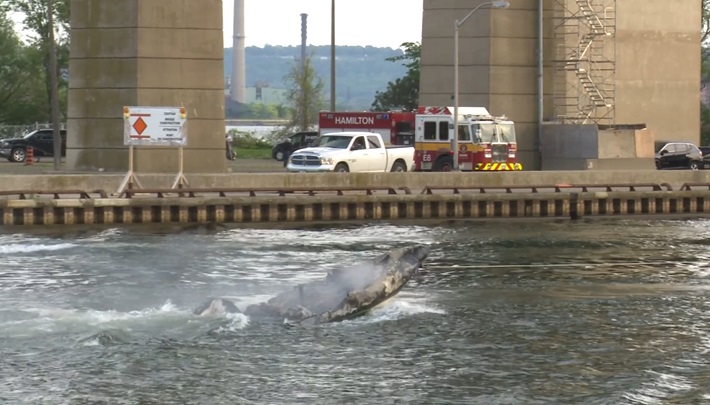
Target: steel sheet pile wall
311,209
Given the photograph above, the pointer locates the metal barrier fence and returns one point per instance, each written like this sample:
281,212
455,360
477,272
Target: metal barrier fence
17,131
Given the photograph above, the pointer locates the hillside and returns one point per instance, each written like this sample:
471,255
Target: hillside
360,71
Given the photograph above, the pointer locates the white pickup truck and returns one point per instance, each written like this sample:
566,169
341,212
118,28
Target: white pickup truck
351,152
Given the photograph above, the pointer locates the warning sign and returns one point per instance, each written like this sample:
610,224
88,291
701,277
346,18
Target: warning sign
156,126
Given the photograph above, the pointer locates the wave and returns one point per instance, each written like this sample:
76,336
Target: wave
100,326
397,309
662,387
31,248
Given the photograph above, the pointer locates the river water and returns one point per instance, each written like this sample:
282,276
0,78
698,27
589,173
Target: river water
598,312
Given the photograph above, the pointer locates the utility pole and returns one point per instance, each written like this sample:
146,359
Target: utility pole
54,83
332,55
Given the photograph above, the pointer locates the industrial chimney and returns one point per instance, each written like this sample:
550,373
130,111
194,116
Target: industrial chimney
238,89
304,36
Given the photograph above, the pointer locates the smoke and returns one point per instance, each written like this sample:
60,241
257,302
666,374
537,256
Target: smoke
349,288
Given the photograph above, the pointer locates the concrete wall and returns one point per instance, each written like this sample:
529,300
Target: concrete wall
658,66
145,53
585,147
626,143
569,141
609,174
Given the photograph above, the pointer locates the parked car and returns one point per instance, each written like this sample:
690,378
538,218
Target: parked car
706,156
293,143
41,141
679,155
352,152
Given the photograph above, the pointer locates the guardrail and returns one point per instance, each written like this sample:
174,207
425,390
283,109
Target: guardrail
558,188
23,194
341,191
689,186
280,191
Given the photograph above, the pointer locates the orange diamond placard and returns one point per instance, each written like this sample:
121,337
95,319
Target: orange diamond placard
140,126
155,126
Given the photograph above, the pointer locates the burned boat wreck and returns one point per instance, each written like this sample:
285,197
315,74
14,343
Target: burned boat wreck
345,293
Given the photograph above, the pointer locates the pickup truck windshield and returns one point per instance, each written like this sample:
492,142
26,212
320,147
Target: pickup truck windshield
333,141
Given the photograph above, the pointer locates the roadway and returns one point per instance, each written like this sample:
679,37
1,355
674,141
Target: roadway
46,166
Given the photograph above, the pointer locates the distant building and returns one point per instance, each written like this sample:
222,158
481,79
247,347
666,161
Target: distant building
261,92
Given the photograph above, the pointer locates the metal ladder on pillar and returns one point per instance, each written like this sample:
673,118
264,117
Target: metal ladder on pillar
581,56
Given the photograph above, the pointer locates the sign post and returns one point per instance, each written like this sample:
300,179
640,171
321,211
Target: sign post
153,126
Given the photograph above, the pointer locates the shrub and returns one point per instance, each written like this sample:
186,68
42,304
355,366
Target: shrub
246,140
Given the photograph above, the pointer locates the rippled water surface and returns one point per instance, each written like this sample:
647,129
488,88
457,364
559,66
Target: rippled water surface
503,313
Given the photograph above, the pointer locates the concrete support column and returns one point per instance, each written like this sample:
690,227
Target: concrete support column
145,53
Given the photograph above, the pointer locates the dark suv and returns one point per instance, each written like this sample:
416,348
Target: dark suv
679,155
293,143
41,141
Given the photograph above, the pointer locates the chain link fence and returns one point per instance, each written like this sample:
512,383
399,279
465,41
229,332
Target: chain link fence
17,131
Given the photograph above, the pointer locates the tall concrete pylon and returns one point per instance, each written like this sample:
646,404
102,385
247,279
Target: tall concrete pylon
238,90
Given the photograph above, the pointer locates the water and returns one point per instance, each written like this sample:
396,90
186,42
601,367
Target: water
258,131
504,313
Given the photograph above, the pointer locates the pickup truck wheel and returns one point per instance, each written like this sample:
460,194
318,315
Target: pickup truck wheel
445,164
279,155
694,165
399,167
341,168
17,155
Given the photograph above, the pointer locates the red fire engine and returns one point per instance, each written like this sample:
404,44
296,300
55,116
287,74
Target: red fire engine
395,127
485,142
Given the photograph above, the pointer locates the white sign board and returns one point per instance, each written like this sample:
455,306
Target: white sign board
155,126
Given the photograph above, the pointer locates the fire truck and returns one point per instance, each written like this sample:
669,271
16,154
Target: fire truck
395,127
486,143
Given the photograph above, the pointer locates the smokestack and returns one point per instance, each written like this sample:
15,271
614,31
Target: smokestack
304,36
238,89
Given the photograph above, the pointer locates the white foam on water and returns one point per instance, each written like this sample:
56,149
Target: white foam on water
661,388
396,309
15,248
236,322
71,321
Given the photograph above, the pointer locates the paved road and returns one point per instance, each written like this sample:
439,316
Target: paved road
46,166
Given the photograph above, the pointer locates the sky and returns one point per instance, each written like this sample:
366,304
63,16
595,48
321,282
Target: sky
379,23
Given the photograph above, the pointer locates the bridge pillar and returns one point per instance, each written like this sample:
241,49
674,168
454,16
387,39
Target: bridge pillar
145,53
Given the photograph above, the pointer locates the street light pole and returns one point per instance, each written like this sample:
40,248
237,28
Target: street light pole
54,96
332,56
457,25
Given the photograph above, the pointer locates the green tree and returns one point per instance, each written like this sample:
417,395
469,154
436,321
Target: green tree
705,71
403,93
304,96
21,94
36,23
705,21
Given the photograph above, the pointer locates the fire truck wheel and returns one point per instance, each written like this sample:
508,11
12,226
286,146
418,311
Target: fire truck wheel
444,164
399,167
341,168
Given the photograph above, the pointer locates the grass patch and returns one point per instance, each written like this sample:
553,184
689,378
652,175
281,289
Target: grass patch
260,153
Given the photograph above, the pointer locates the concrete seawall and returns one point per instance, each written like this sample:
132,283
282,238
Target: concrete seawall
278,199
392,208
414,181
